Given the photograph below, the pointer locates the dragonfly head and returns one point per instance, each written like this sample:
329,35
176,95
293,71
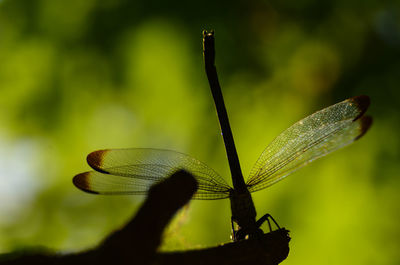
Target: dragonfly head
247,234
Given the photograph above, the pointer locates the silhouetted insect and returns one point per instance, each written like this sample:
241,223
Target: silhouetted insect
134,171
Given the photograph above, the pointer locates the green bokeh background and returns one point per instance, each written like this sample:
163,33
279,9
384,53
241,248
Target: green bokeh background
77,76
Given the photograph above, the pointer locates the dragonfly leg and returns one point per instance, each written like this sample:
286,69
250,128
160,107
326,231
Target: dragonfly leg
233,236
269,225
266,217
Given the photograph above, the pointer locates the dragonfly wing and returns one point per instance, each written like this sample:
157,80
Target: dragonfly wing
310,138
134,171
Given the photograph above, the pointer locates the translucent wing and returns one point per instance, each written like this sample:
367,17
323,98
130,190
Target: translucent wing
313,137
134,171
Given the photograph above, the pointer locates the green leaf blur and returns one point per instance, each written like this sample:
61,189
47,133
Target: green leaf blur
77,76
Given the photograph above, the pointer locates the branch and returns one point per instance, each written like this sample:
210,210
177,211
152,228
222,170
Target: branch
271,248
138,241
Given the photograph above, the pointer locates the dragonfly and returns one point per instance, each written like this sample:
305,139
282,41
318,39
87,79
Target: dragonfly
134,170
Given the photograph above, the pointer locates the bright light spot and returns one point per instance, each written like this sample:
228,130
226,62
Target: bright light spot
17,182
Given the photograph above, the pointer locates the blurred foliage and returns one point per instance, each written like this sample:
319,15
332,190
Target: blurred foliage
76,76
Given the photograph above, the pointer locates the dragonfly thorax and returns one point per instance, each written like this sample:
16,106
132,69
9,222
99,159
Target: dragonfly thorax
243,210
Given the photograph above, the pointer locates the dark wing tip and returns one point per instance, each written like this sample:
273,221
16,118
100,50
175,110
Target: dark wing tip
95,160
366,122
362,102
81,181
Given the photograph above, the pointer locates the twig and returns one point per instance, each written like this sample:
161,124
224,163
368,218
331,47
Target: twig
138,241
271,248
